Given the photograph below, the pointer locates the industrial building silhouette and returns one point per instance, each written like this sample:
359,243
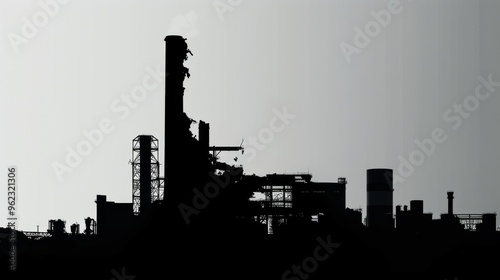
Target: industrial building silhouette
204,219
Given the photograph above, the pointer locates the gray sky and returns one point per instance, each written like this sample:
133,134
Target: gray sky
251,59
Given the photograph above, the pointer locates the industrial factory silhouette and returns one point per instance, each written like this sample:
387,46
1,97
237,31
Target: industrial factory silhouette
207,219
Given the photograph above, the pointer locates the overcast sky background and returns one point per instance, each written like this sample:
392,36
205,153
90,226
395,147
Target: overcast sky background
257,57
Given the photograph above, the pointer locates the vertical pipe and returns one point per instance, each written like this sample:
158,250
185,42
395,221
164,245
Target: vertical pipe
145,172
175,53
450,203
204,135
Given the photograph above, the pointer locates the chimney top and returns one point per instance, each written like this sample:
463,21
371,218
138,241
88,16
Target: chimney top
174,37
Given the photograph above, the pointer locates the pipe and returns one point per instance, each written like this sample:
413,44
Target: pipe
450,203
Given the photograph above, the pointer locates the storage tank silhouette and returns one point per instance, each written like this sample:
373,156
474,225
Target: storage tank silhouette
379,198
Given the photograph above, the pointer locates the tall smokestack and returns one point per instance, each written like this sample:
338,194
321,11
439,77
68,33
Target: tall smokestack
175,120
450,203
379,198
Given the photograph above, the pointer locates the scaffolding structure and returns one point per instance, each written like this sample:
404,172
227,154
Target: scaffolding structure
147,186
161,189
277,205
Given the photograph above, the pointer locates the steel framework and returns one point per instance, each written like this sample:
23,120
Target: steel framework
277,204
161,189
145,158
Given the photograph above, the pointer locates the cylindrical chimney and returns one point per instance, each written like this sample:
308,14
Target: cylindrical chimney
176,122
450,203
379,198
